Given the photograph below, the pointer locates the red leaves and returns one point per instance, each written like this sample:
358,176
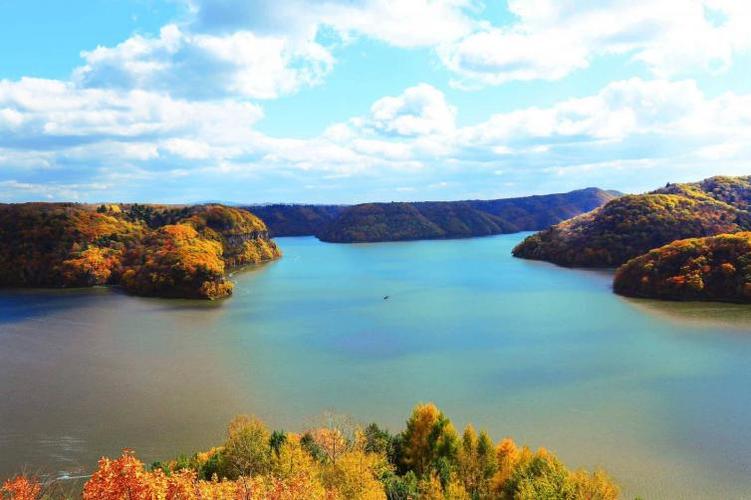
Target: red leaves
123,478
21,488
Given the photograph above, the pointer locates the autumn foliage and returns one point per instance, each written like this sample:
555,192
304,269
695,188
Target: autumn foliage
449,219
713,268
343,461
21,488
147,249
632,225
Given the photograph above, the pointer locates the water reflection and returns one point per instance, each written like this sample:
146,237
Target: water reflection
697,314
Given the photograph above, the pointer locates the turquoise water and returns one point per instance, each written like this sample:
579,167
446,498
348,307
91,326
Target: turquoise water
657,393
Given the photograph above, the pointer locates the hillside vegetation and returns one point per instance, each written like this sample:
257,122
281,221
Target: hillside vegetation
629,226
147,249
712,268
297,220
373,222
429,459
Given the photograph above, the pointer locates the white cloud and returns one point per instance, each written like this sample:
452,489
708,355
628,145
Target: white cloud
419,110
622,109
134,138
551,38
402,23
201,66
187,148
46,111
48,190
264,49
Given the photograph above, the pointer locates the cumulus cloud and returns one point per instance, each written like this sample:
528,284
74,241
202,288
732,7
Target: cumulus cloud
419,110
550,39
117,138
265,49
621,109
201,66
45,114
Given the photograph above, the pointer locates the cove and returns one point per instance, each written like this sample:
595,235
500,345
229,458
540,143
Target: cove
656,393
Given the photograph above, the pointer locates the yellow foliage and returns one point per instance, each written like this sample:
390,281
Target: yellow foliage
93,266
456,491
431,489
594,486
149,249
331,441
507,456
353,476
429,436
252,466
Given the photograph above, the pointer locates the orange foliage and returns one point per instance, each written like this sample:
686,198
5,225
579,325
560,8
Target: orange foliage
93,266
633,225
289,469
124,477
507,456
21,488
149,249
712,268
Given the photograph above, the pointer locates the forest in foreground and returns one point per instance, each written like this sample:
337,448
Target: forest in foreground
428,459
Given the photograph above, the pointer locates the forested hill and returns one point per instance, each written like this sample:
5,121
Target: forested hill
166,251
458,219
632,225
372,222
296,220
711,268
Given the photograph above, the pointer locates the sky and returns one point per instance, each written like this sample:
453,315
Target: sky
346,101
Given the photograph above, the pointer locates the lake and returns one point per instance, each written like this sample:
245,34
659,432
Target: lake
656,393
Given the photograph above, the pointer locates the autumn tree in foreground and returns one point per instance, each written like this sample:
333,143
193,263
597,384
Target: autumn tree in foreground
21,488
338,461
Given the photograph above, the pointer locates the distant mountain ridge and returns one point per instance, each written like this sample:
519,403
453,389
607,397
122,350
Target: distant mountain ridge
296,219
401,221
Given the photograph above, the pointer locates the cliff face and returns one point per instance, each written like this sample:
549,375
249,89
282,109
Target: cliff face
249,248
632,225
147,249
243,236
458,219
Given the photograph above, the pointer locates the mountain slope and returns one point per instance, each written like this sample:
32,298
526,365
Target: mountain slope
632,225
374,222
296,220
712,268
147,249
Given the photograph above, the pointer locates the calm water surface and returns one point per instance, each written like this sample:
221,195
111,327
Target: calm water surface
657,393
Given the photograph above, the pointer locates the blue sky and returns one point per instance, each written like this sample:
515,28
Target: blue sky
367,100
